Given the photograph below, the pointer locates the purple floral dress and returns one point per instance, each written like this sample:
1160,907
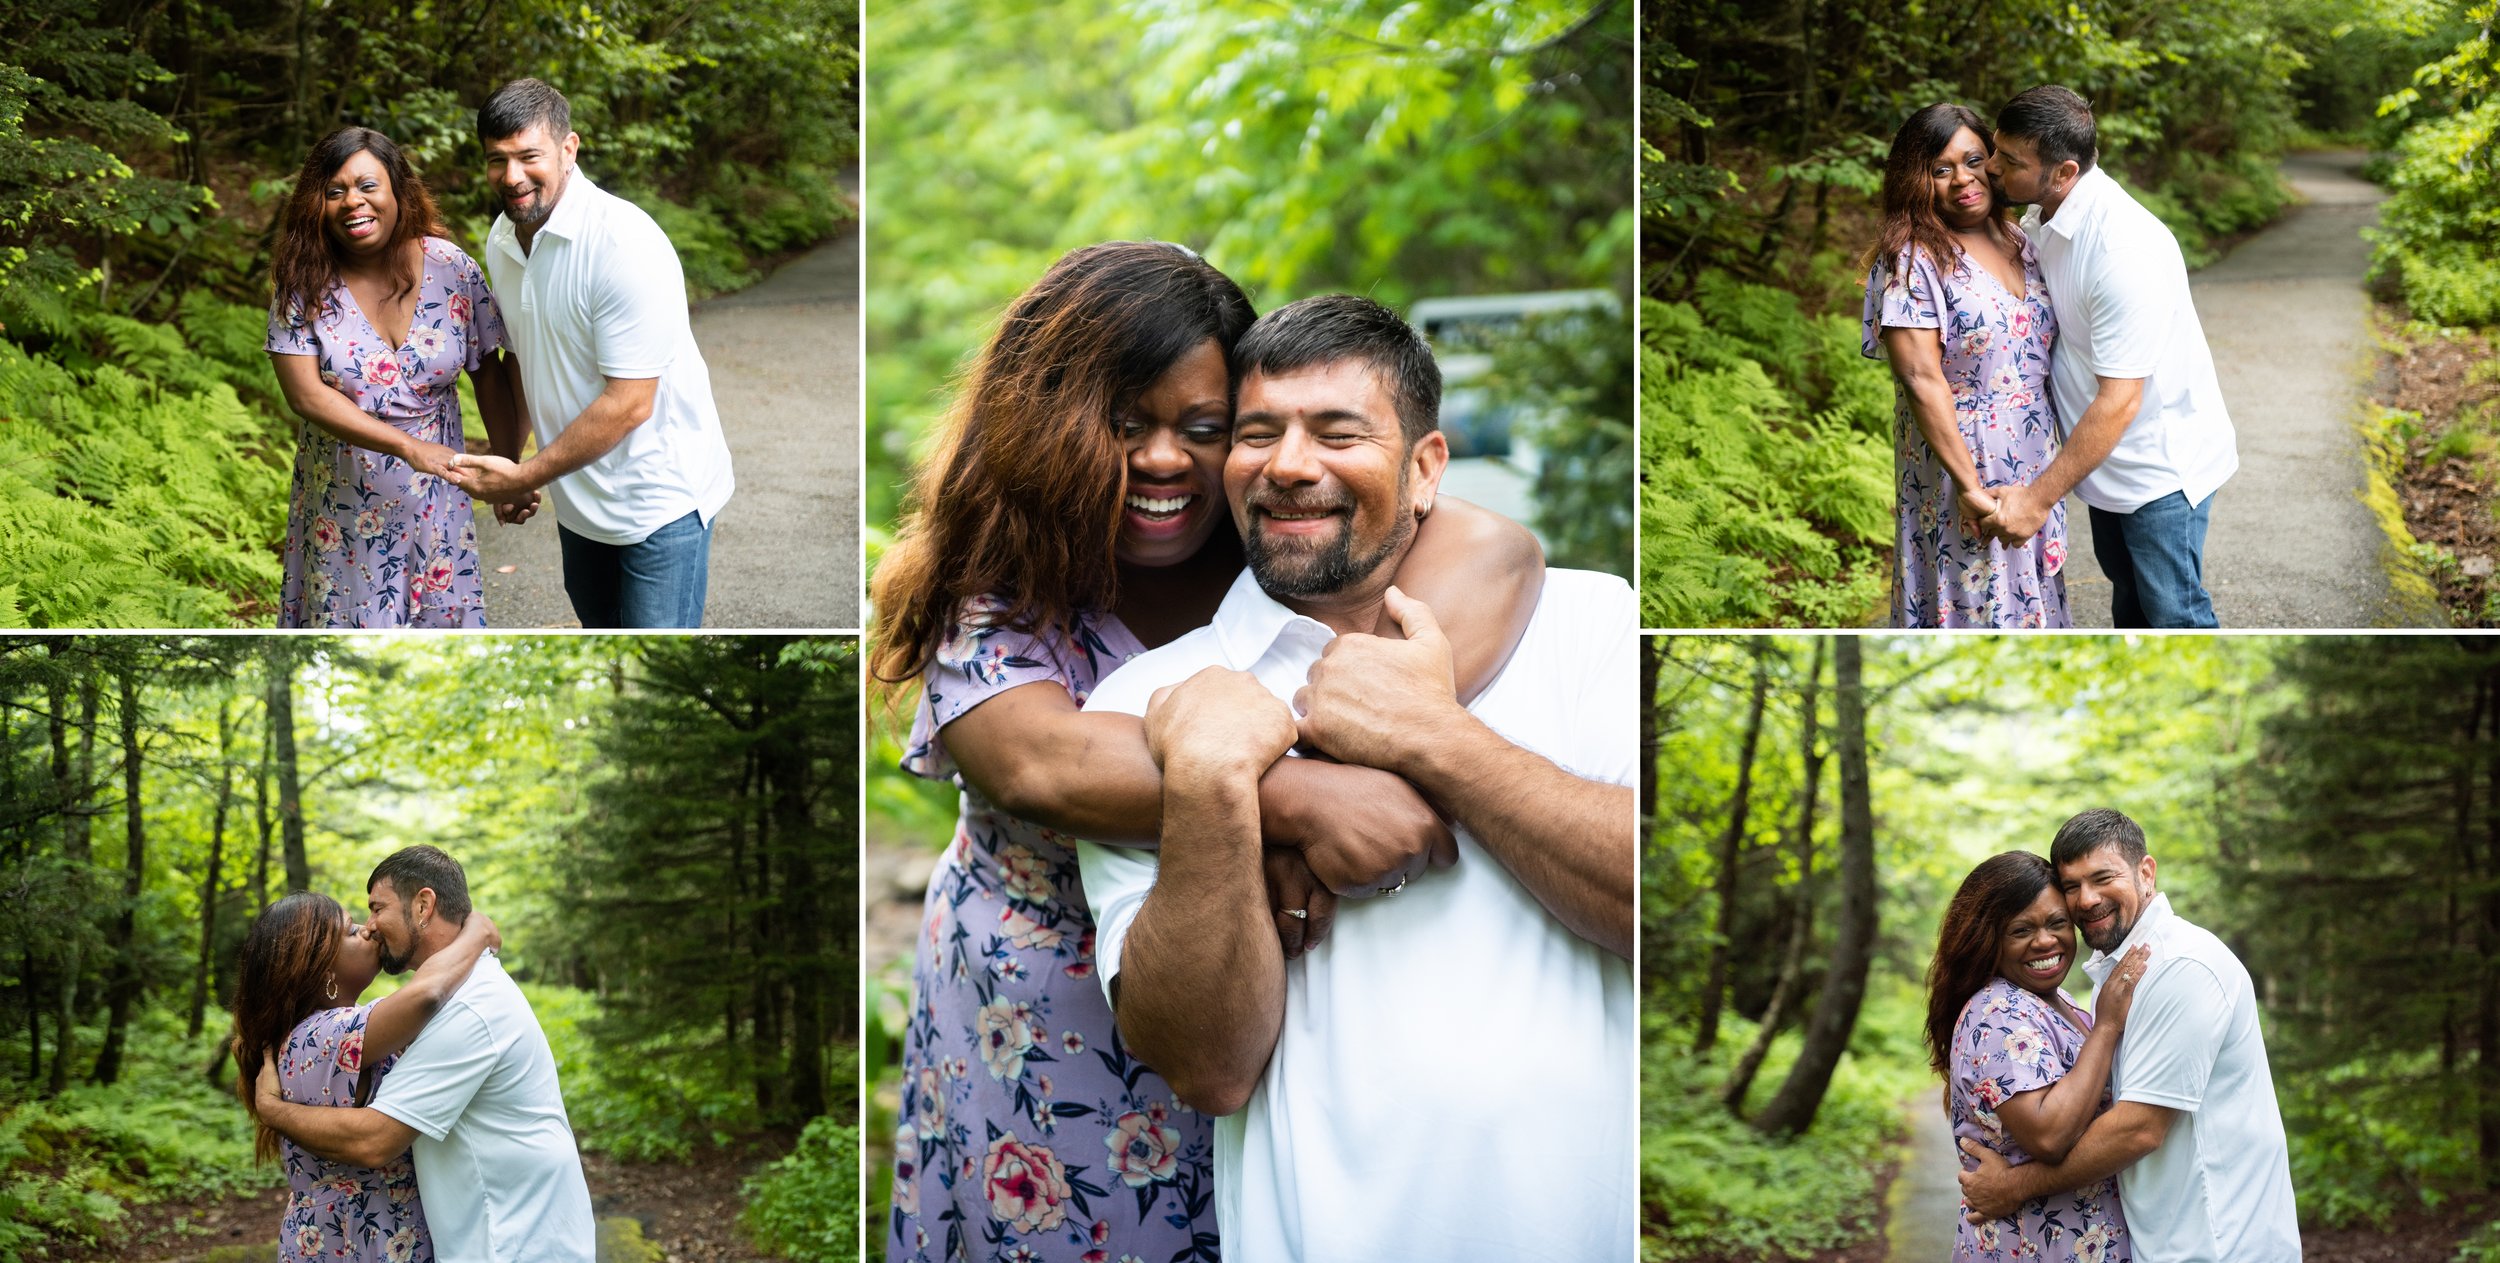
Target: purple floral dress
1996,358
2008,1042
370,542
1028,1132
336,1211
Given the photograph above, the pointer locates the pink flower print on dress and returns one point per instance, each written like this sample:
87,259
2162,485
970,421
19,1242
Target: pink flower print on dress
458,306
325,533
1143,1150
382,369
1026,1185
428,340
369,524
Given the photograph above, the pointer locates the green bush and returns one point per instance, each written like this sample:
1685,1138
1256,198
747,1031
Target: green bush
1766,470
805,1207
645,1102
1712,1186
2438,239
2368,1141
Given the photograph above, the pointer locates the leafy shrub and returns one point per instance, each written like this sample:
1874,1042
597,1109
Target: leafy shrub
645,1102
2438,239
1766,480
1712,1186
2373,1138
805,1207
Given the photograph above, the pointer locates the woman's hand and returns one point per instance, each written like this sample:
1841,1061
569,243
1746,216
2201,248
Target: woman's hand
2109,1009
1221,717
1361,831
429,458
1302,907
484,926
1975,506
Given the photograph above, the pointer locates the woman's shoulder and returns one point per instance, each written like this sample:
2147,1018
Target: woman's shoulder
1998,1000
329,1025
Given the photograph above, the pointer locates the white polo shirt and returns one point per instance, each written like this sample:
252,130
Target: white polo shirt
600,295
2219,1188
2120,287
1455,1077
496,1165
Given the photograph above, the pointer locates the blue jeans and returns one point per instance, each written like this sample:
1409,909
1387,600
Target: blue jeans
2155,560
656,583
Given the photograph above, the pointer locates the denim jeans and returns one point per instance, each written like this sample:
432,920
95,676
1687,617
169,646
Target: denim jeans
2155,560
656,583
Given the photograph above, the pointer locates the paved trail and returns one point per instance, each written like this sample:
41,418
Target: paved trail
785,364
1925,1200
2291,543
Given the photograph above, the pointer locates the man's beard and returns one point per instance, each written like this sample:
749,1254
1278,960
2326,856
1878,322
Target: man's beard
545,202
392,964
1334,568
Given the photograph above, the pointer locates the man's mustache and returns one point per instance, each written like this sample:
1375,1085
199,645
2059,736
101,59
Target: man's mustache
1274,503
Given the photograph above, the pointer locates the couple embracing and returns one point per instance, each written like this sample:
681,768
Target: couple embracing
2145,1130
2058,354
1289,910
427,1125
376,315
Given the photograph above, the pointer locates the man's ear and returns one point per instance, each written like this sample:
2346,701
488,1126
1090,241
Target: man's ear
2066,174
421,908
572,146
1425,463
2144,873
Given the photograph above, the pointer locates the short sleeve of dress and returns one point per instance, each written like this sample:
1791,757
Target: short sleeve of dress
2001,1045
485,316
289,332
1902,293
977,662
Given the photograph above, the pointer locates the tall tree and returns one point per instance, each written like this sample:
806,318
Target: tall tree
1800,1096
1785,991
279,660
1731,851
124,987
211,882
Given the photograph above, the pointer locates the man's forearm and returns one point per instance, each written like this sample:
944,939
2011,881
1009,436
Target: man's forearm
356,1136
2112,1143
2093,439
1568,840
592,434
1201,987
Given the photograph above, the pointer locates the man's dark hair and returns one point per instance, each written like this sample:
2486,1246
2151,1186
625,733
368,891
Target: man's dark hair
1335,327
414,868
2089,831
520,104
2056,121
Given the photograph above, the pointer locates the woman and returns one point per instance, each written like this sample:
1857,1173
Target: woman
2025,1069
1071,515
304,964
1954,298
375,316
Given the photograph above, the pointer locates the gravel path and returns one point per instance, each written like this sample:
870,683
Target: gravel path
1925,1201
2291,543
785,361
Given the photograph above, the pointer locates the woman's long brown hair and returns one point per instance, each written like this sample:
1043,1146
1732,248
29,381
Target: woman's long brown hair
1019,498
287,959
1967,946
305,263
1910,215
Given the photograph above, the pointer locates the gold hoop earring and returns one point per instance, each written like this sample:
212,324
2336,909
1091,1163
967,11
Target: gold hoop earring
331,992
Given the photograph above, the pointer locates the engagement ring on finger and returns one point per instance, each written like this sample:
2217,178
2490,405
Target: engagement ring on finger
1394,889
1299,914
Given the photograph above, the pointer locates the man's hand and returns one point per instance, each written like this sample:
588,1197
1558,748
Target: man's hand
1365,831
1369,699
265,1089
2021,512
1989,1191
515,512
1219,718
492,478
1291,889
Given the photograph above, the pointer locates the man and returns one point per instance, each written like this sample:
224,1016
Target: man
2147,438
594,304
2195,1137
475,1094
1450,1074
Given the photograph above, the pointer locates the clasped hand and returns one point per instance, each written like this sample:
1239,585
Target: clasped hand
496,480
2017,514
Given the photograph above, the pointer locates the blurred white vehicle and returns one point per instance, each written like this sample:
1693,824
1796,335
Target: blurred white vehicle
1492,463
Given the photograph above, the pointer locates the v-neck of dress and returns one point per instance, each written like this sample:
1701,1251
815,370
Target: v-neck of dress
1984,270
416,295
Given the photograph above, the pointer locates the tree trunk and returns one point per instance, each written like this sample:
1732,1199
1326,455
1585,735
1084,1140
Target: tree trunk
1792,1110
260,812
2487,1017
124,987
78,843
216,858
1740,806
1801,923
1651,652
290,789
